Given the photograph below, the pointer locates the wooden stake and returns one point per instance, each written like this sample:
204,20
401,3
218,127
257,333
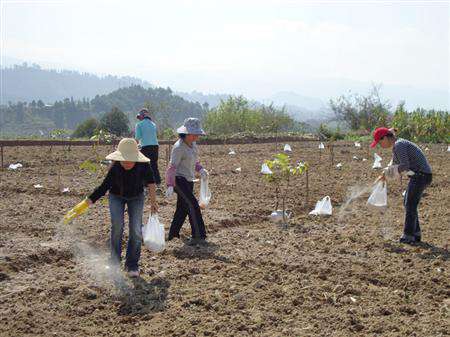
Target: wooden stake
331,154
2,157
210,158
307,188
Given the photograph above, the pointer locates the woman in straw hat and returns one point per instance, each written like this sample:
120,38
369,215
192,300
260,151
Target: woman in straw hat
125,181
179,178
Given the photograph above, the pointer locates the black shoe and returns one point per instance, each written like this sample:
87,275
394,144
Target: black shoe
408,240
197,242
418,238
171,237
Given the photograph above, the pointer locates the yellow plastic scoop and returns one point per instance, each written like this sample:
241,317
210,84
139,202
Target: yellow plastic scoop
76,211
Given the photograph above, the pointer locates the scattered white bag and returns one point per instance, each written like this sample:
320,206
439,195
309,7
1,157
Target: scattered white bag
378,197
13,167
321,146
287,148
265,169
355,157
153,234
232,152
65,190
377,161
357,144
448,148
38,186
205,193
339,165
364,159
277,216
238,170
323,207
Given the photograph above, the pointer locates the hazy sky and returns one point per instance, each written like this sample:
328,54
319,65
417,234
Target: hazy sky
254,47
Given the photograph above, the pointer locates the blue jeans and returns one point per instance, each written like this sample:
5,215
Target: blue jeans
117,211
416,186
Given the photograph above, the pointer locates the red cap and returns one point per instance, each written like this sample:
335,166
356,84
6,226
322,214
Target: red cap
378,134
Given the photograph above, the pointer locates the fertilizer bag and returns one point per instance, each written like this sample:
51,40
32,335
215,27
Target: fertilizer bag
323,207
379,195
153,234
377,161
205,193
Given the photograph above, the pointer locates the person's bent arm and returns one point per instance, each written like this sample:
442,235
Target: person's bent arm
103,188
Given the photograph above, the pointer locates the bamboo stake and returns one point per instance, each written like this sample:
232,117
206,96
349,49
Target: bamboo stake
307,188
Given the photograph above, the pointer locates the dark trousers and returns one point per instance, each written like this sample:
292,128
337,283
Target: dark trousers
151,152
187,205
416,186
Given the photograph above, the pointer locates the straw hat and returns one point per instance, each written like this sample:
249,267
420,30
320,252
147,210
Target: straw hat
127,150
191,126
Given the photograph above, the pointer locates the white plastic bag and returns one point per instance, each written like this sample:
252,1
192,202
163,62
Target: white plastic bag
277,216
448,148
339,165
265,169
287,148
321,146
377,161
323,207
153,234
205,193
14,167
357,144
379,195
232,152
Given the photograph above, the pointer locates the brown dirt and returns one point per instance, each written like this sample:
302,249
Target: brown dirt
325,276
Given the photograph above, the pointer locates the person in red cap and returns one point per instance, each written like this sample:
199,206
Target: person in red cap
407,157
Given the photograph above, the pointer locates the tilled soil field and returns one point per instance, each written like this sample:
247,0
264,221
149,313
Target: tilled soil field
343,275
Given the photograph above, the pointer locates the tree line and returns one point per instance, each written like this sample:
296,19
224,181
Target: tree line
32,117
362,114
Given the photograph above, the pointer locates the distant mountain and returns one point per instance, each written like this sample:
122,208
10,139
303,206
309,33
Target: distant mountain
31,82
212,100
295,99
414,97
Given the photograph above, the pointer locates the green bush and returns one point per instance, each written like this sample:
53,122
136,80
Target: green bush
326,133
236,115
115,122
420,125
86,128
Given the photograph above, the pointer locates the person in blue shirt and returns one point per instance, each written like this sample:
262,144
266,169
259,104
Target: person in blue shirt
146,135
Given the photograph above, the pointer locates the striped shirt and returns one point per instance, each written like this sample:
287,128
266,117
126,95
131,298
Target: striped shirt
408,156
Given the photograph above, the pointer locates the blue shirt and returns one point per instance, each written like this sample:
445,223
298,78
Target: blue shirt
146,132
408,156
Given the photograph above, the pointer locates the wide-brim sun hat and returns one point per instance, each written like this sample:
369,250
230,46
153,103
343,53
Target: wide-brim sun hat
191,126
127,150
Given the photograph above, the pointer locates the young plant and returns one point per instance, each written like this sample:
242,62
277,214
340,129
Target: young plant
95,166
282,172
